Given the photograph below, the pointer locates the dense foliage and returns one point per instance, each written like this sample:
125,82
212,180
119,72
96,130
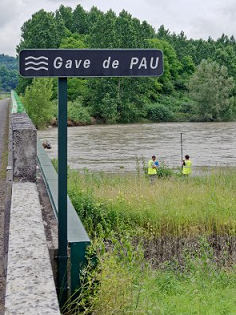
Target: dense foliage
211,89
8,73
167,98
37,101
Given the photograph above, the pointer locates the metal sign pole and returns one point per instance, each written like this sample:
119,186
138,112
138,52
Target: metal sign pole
62,190
64,63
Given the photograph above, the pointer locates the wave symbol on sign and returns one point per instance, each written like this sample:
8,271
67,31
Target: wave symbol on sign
36,63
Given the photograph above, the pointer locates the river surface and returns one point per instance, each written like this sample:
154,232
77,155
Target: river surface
117,148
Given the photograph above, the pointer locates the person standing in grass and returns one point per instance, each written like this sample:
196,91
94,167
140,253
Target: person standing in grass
152,169
187,165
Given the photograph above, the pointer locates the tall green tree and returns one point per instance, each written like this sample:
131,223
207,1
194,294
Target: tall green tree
65,15
186,70
163,33
100,92
226,56
211,89
42,31
103,33
171,63
93,15
80,22
146,31
126,30
37,101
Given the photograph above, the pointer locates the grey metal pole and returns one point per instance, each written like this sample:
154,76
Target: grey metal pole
62,190
181,145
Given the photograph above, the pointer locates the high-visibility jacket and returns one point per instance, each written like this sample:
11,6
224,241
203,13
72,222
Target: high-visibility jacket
151,170
187,168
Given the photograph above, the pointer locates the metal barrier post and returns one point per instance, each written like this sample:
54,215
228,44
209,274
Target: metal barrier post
78,262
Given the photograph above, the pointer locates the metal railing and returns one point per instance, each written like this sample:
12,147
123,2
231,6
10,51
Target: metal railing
77,236
17,106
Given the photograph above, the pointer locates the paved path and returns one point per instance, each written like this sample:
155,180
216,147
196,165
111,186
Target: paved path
3,150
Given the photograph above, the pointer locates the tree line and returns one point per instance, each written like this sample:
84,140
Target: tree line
8,73
198,83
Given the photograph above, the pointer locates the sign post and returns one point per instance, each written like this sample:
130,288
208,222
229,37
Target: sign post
63,63
62,189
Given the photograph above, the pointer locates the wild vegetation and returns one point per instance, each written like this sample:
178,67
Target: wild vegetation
123,214
175,206
192,69
39,105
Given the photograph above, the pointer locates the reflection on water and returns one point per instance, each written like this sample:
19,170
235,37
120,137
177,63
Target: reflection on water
116,148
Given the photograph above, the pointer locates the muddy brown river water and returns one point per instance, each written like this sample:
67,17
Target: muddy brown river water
116,148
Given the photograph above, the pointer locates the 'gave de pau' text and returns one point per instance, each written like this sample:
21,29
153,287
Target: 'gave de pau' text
134,63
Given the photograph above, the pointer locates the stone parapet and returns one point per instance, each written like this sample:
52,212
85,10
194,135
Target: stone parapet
30,286
24,147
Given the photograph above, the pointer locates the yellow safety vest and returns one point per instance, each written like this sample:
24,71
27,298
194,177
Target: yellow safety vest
151,171
187,168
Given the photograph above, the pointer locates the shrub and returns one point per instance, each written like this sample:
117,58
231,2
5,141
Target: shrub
164,171
159,113
37,102
77,113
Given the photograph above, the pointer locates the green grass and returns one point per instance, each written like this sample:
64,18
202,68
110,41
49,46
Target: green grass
116,209
173,206
125,284
192,294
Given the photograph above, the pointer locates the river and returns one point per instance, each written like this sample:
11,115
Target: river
117,148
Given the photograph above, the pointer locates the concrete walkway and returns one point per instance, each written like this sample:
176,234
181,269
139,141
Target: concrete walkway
3,153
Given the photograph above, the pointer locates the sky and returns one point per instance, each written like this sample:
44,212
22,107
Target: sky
197,18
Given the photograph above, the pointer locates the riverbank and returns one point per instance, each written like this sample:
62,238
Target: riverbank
162,249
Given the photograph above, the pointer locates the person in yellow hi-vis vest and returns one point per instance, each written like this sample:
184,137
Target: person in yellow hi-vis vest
152,169
187,165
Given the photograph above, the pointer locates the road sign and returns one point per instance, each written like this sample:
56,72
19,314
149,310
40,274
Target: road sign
63,63
90,62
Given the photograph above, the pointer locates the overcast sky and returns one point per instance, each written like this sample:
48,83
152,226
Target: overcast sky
197,18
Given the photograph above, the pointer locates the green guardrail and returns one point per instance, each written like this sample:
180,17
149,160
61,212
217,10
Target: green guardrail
77,236
17,106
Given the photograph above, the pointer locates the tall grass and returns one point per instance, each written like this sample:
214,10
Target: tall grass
118,209
125,284
173,206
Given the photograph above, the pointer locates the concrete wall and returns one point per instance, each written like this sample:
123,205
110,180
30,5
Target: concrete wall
30,286
24,148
